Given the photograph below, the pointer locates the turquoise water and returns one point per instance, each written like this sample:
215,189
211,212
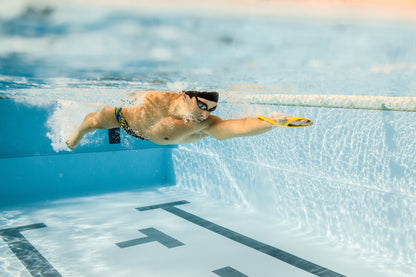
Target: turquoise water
350,179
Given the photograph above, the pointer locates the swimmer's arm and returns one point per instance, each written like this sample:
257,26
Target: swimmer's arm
226,129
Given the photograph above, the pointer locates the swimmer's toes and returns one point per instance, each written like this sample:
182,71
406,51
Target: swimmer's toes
70,143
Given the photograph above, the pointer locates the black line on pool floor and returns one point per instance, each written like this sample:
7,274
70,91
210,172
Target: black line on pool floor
152,235
229,272
252,243
34,262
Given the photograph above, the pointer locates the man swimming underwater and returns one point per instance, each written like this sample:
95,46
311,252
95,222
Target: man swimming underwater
174,118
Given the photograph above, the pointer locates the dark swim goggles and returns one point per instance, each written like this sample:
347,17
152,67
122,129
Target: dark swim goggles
201,105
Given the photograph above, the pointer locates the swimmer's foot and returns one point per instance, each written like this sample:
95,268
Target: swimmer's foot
73,141
288,121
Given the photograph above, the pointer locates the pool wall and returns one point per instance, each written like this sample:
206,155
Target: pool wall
32,170
350,178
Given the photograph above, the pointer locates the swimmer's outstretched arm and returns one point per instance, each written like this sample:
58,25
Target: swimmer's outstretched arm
250,126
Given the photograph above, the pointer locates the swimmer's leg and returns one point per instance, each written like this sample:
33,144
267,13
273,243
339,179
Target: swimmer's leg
104,119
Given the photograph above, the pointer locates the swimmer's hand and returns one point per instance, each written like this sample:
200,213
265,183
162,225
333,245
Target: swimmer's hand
283,120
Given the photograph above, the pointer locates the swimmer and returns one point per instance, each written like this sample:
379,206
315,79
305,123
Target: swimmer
173,118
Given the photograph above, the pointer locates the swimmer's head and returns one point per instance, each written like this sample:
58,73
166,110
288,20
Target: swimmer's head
200,104
208,95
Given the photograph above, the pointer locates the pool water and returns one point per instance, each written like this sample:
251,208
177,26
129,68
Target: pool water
337,197
84,47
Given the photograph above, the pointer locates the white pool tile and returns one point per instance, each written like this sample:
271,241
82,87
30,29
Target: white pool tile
81,235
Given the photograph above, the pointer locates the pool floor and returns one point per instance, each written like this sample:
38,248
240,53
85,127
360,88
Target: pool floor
163,232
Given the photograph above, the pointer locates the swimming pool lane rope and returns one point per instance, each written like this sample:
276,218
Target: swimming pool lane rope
404,104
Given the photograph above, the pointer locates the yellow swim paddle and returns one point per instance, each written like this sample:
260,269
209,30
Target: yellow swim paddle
286,124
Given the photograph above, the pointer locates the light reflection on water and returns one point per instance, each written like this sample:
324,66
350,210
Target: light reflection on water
49,48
